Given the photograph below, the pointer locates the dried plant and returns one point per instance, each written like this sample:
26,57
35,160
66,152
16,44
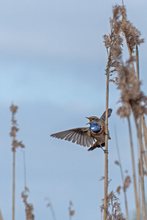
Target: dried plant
106,176
132,99
50,206
134,170
126,77
15,144
119,164
145,144
29,209
127,183
114,209
71,210
118,189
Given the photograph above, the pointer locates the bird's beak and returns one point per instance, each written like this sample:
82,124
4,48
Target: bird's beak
88,122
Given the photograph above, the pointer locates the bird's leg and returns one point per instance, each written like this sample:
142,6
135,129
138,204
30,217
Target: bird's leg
104,150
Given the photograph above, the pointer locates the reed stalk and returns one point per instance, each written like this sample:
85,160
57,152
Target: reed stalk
122,177
15,144
141,168
106,179
139,128
145,132
13,183
134,170
14,129
145,141
29,209
50,206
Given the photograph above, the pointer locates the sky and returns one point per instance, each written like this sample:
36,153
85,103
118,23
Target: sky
52,65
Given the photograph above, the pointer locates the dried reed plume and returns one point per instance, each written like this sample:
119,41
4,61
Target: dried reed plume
113,209
29,209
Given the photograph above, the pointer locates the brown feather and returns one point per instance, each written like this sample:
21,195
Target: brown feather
77,135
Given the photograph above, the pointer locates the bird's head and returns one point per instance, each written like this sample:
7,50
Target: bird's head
94,124
92,119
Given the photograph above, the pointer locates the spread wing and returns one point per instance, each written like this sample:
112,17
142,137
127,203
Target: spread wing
79,136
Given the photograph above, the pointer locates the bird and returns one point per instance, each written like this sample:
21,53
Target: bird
92,137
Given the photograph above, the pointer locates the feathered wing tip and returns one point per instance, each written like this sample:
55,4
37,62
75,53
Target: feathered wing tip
78,135
103,117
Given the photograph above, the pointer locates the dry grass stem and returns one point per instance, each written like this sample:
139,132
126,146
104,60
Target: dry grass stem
15,144
134,170
114,209
145,142
119,163
50,206
28,206
144,132
106,183
141,170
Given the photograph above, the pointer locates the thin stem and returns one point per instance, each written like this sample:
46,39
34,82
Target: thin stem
122,176
106,140
25,170
13,184
137,62
50,206
52,211
139,126
141,170
145,132
133,169
13,170
144,146
145,140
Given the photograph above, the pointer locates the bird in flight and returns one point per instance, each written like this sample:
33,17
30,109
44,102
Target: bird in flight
92,137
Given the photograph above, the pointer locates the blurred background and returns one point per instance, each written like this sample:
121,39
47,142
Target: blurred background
52,65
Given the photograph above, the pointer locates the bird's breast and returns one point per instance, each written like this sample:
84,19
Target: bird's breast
95,127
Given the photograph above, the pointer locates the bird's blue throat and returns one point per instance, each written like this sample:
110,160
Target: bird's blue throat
95,127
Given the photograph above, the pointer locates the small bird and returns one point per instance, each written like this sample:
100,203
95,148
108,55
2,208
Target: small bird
92,137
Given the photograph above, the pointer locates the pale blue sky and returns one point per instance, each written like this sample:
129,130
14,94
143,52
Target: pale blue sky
52,64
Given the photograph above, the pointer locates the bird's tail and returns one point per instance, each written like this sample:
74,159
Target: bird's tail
96,146
92,148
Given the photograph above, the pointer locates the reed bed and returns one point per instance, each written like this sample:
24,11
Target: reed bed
124,73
